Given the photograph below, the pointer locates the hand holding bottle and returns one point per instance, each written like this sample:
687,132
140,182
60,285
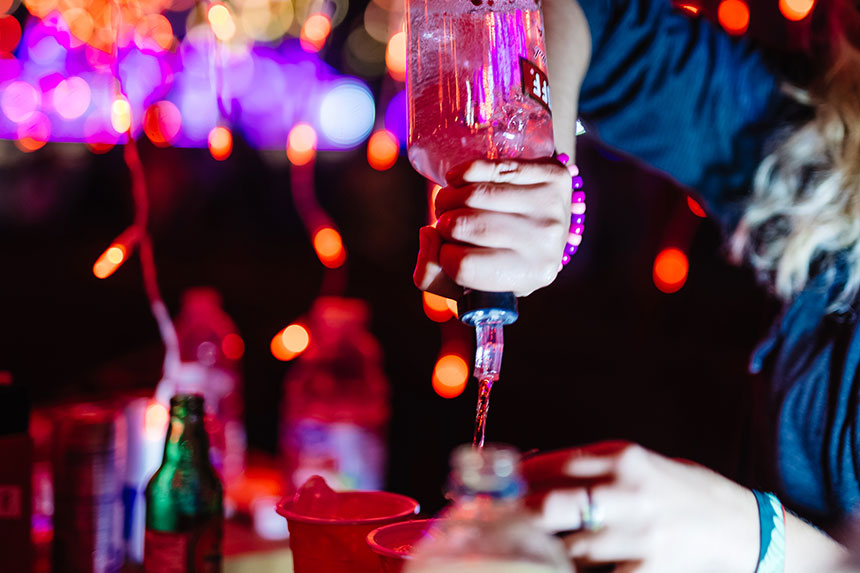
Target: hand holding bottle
502,226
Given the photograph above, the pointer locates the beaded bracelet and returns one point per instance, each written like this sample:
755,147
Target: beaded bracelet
577,219
771,558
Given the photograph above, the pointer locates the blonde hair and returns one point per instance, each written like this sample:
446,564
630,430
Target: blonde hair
805,205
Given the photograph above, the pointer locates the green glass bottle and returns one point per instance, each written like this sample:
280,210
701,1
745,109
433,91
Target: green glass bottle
184,498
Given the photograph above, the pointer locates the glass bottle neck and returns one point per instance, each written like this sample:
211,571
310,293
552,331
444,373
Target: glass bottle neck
187,441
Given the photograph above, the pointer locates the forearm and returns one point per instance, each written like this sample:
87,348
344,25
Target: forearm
568,43
808,549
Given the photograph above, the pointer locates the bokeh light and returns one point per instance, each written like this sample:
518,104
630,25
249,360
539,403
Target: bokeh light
301,144
347,114
670,270
382,150
395,56
397,117
19,101
155,419
315,32
734,16
450,375
72,97
221,21
438,308
796,10
120,115
233,346
290,342
110,260
691,9
155,33
328,245
695,207
10,33
220,143
34,132
162,122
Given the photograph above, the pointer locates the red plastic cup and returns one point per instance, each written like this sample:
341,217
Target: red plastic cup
339,544
394,543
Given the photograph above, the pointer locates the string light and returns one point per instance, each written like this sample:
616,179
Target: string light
382,150
221,22
290,342
314,32
734,16
110,260
450,375
329,247
695,207
670,270
301,144
120,115
437,308
395,56
233,346
796,10
220,143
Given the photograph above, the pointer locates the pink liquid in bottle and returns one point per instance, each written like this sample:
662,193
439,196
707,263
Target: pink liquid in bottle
476,82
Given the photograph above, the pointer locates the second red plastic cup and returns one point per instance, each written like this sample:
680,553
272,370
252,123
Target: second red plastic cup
394,543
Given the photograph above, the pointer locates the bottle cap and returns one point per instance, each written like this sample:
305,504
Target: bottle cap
475,305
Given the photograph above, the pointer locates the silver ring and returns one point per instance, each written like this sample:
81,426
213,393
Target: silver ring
592,514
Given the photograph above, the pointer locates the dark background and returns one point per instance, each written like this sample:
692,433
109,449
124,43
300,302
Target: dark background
599,354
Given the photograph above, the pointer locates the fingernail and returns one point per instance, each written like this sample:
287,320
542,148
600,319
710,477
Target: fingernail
456,173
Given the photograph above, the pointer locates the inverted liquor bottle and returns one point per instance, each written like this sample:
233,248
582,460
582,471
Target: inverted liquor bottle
184,499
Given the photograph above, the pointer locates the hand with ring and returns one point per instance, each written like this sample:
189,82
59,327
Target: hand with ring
619,503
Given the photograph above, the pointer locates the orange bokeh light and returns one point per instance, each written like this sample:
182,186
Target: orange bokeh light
301,144
734,16
670,270
99,148
695,207
233,346
110,260
690,8
162,122
155,419
395,56
437,308
220,143
382,150
315,32
450,375
796,10
154,32
328,245
290,342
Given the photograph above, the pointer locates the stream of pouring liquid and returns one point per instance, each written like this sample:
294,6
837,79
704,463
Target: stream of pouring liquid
488,362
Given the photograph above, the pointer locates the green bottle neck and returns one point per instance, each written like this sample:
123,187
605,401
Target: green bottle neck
187,442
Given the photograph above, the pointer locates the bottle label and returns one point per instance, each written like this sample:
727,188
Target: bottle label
535,83
195,551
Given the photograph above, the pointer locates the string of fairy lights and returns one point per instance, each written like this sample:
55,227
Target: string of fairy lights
189,73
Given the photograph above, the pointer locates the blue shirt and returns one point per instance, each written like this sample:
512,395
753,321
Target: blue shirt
701,106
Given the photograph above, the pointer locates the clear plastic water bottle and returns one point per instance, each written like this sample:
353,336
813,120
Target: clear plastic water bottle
211,349
487,529
335,405
477,83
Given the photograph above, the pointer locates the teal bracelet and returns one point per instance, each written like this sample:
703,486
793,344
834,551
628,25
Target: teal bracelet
771,514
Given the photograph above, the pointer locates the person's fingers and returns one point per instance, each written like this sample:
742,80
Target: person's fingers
428,274
518,172
532,200
496,270
605,458
533,237
606,545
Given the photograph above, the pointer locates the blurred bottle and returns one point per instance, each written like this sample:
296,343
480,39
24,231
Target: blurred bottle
487,529
89,457
15,478
184,499
335,406
211,351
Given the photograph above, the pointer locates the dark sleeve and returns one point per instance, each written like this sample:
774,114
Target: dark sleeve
681,95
